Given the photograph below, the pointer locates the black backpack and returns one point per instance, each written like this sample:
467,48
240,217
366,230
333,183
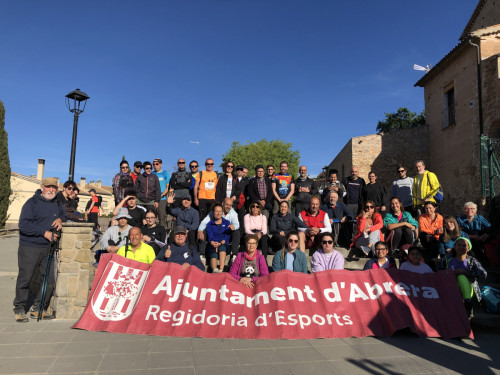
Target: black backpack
126,182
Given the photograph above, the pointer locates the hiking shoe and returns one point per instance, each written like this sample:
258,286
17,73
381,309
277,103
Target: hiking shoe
21,317
45,315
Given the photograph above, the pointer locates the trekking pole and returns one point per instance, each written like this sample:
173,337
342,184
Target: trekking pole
54,244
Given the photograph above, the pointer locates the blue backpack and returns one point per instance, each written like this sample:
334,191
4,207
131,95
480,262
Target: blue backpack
491,297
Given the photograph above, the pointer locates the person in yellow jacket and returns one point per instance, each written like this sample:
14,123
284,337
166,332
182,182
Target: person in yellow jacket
425,186
137,249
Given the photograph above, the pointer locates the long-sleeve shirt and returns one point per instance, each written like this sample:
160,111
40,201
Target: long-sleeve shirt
299,261
255,224
115,234
406,217
187,217
235,270
403,189
322,262
181,254
430,227
286,223
148,187
218,232
232,216
374,192
477,226
338,212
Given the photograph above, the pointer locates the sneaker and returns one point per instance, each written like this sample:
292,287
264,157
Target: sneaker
215,270
203,259
21,317
45,315
365,249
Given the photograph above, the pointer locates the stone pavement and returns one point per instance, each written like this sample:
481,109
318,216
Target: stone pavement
52,347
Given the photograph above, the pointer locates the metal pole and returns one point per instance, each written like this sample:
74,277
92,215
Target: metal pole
73,149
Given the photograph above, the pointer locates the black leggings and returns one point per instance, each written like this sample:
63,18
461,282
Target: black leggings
401,236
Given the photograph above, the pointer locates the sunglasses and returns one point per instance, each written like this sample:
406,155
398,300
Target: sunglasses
145,168
209,163
293,241
369,207
254,206
138,166
156,163
123,167
330,242
401,171
181,162
230,166
70,188
193,166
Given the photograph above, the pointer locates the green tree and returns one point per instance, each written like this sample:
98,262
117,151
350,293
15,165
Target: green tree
402,119
4,169
263,152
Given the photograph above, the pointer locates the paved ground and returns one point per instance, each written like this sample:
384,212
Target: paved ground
53,347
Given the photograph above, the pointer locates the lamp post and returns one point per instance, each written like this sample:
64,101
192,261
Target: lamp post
74,103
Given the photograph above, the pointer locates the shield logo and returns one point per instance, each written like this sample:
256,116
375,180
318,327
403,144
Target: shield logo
118,292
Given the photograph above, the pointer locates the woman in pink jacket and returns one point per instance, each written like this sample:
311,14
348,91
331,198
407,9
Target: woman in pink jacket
250,264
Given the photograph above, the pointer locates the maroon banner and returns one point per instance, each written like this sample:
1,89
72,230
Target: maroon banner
130,297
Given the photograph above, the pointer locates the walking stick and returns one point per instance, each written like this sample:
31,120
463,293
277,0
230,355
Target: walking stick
54,245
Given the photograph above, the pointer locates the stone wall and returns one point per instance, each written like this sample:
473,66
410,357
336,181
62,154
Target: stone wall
382,153
75,272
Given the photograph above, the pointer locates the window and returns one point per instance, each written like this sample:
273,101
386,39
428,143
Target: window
449,106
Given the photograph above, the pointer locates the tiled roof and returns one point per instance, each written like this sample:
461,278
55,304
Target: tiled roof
475,14
421,82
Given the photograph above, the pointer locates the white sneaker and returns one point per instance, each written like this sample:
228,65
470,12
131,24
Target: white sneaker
233,258
365,249
215,270
203,259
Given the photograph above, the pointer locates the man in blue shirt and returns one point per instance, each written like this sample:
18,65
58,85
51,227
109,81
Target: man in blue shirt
164,178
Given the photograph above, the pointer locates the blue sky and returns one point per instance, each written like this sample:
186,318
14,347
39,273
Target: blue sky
163,73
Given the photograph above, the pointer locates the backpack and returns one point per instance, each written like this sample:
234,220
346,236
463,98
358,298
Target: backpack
491,297
439,196
126,182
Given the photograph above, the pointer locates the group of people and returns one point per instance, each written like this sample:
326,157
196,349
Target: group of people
196,217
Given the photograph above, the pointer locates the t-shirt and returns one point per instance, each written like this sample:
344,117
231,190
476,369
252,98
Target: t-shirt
95,208
138,215
289,261
456,264
164,179
156,233
421,268
229,187
283,182
144,253
207,184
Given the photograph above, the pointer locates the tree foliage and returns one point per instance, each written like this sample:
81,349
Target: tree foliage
263,152
4,169
402,119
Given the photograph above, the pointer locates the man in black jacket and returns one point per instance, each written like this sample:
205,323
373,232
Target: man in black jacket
41,216
147,187
374,191
354,186
180,182
305,188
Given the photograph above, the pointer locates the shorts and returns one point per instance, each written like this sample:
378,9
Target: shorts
212,253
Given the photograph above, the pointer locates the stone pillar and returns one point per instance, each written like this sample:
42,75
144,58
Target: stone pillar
75,272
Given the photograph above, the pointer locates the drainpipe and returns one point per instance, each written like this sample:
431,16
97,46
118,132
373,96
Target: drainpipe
480,100
479,93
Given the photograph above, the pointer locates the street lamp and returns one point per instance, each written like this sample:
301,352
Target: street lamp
74,103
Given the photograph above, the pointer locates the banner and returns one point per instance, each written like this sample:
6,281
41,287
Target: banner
130,297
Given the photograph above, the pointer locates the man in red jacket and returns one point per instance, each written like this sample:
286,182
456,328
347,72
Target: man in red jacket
317,222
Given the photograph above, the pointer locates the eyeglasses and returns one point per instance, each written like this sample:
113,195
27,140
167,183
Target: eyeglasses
193,166
181,162
124,167
293,241
329,242
369,207
209,163
401,171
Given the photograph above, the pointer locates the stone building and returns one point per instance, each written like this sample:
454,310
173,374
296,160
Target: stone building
382,153
23,187
459,106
